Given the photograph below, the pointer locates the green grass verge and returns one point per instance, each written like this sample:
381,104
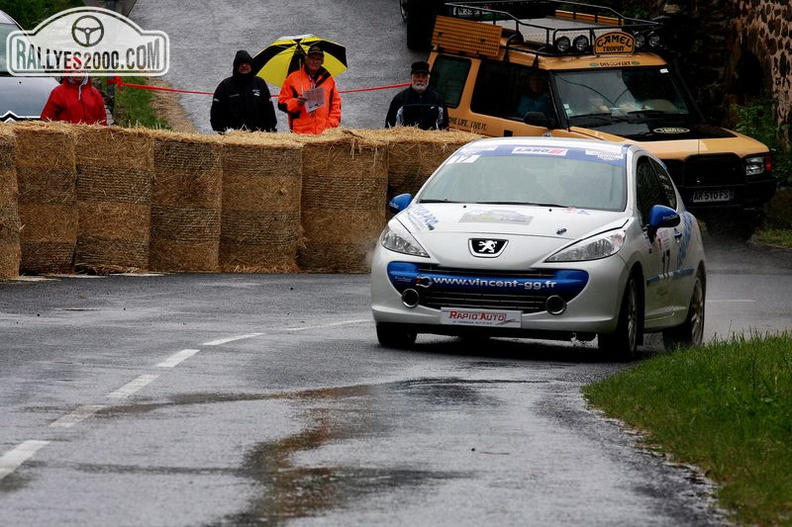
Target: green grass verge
133,106
726,407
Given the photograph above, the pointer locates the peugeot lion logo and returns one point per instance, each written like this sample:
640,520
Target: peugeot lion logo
486,248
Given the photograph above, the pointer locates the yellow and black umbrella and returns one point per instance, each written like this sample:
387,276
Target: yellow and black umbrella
287,54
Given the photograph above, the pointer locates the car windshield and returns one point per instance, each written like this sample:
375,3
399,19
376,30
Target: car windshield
600,97
492,178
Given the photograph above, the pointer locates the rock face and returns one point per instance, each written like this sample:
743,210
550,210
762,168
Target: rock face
731,50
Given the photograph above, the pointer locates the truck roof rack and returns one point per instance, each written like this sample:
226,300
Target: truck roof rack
560,27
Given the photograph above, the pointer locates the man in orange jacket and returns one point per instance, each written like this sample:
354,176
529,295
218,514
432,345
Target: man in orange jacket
75,100
310,97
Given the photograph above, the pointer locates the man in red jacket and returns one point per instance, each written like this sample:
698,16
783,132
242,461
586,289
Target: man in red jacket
310,97
75,100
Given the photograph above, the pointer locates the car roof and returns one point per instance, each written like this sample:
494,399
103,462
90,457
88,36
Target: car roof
556,142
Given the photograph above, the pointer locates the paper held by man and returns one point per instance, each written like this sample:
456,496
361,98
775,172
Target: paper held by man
314,99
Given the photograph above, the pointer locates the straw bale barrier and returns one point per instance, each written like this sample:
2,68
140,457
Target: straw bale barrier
47,203
261,203
344,186
10,250
413,154
186,200
114,176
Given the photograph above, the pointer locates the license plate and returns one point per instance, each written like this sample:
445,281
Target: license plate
480,317
709,196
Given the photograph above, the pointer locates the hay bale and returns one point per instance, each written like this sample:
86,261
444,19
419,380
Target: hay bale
10,250
414,154
186,199
114,176
260,228
47,204
343,201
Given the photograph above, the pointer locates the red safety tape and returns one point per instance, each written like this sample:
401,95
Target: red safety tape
118,82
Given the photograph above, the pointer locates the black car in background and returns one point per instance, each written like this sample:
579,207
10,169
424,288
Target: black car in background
21,98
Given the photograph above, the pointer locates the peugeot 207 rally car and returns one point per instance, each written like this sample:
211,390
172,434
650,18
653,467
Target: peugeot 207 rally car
542,237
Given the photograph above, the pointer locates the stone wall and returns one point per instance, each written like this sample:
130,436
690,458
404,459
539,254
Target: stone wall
732,50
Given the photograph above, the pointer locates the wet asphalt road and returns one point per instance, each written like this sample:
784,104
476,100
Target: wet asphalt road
197,399
205,35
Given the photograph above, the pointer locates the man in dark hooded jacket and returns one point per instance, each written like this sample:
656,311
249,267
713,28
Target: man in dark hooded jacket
418,105
242,101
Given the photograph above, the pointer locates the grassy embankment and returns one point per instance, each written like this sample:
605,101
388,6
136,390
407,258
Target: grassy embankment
725,407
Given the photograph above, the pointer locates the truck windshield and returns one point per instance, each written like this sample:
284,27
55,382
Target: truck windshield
588,97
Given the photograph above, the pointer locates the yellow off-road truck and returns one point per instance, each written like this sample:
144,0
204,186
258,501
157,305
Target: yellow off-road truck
568,69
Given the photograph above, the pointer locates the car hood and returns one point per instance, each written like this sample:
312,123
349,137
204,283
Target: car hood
445,230
24,97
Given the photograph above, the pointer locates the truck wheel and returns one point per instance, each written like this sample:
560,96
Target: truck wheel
420,23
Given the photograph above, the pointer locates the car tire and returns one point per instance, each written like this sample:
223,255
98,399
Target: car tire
691,332
622,343
395,335
420,23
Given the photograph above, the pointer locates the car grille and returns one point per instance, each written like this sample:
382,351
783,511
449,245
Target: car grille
706,170
527,302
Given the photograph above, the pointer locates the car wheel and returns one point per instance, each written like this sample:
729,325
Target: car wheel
403,9
691,332
395,336
621,344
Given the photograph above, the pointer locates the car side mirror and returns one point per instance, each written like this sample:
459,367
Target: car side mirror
399,203
661,217
539,119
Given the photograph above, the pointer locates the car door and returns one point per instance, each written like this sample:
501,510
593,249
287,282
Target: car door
662,248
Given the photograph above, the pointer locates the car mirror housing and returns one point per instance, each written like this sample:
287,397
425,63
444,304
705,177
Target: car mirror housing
400,202
660,217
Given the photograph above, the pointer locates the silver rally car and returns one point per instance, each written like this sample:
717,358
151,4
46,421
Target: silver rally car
545,238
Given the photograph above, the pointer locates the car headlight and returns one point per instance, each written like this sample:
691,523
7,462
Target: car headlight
755,165
397,238
600,246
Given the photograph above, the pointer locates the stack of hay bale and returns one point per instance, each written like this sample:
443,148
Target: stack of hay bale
261,203
10,251
187,190
344,185
114,176
46,174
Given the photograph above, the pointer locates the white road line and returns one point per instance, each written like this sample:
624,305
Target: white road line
347,323
230,339
132,386
177,358
80,413
11,460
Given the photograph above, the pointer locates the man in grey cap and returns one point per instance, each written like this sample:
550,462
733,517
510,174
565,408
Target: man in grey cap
418,105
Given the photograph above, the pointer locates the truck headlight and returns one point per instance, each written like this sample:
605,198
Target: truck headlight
594,248
755,165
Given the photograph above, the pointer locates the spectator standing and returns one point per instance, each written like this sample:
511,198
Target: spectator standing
310,96
418,105
75,100
242,101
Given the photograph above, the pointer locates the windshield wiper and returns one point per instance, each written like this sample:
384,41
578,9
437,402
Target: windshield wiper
437,201
529,203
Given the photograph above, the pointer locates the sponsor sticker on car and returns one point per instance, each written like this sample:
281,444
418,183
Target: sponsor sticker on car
480,317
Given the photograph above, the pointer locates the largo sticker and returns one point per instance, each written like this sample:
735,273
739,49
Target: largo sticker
93,40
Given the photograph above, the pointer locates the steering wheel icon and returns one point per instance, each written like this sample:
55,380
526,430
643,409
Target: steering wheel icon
87,31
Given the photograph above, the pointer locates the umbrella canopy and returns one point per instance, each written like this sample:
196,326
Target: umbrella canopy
287,54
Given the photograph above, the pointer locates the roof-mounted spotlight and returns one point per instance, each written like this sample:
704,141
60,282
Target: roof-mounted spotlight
581,43
640,40
653,39
562,44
